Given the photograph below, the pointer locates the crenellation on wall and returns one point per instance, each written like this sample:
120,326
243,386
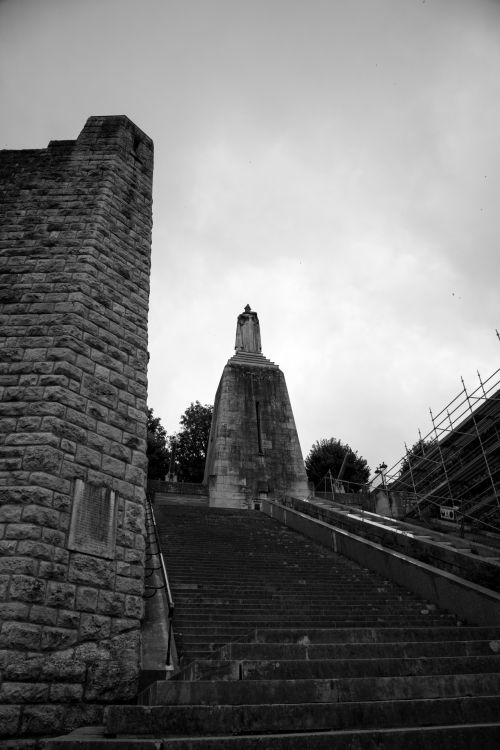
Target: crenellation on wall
73,358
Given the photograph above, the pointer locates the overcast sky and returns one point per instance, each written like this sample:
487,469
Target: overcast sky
333,163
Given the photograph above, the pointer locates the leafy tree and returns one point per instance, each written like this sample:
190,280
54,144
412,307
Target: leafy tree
419,449
157,450
328,455
191,442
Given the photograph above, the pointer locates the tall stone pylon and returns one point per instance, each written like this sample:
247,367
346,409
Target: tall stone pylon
253,449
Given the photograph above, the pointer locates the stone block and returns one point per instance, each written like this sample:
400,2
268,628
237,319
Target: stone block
60,594
129,585
68,618
84,568
42,719
66,692
55,639
52,570
54,536
43,615
88,457
19,666
124,624
65,429
16,564
9,720
42,458
36,549
9,513
62,666
111,603
50,481
134,606
99,390
41,515
64,397
14,610
27,589
23,692
94,627
20,635
26,495
23,531
120,452
4,584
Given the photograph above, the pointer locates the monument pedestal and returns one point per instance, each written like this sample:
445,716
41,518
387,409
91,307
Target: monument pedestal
253,448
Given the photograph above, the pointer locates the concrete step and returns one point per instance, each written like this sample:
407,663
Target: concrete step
377,635
203,720
409,649
456,737
301,669
282,607
243,692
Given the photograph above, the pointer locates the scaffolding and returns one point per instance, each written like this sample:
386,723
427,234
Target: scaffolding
453,472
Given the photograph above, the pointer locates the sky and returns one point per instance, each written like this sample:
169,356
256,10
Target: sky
333,164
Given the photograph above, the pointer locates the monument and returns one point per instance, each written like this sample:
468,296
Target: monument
253,448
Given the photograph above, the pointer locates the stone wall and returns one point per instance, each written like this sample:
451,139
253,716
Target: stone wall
74,284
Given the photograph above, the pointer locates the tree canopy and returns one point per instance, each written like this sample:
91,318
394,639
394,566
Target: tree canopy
157,449
330,454
191,442
418,450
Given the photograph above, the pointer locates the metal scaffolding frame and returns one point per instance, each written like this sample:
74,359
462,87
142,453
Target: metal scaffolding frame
456,466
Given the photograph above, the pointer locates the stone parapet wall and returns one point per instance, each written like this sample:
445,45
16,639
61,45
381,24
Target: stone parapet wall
75,243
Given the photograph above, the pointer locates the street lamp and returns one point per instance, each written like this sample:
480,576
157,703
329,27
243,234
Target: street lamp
380,470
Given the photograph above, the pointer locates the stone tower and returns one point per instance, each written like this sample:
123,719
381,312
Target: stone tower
253,448
75,244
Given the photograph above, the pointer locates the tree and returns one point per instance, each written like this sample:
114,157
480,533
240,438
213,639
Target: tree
331,455
191,442
157,450
418,450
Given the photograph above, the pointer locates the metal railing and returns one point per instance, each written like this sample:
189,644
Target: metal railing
154,553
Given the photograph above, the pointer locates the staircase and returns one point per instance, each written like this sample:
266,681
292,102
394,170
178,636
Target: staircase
286,645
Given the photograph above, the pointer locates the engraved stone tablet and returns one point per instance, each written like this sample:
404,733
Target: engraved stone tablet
93,520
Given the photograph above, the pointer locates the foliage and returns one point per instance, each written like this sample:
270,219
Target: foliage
420,448
328,455
191,442
157,450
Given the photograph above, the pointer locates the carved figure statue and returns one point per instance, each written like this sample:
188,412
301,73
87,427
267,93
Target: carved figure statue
248,332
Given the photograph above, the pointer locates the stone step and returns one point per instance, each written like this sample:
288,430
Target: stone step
203,720
329,668
376,635
201,594
304,621
192,604
409,649
339,690
451,737
324,668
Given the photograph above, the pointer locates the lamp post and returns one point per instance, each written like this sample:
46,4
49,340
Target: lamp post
380,470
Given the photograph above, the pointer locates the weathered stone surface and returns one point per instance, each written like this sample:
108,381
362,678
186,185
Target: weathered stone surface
9,720
75,231
27,589
20,635
253,447
60,594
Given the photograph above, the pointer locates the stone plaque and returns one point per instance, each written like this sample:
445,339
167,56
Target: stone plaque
93,520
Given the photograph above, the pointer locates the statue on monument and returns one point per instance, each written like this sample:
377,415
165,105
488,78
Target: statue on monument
248,332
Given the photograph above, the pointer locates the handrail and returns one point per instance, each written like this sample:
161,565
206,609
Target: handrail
166,584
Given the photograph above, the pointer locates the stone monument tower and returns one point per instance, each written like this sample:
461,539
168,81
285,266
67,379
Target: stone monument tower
253,449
